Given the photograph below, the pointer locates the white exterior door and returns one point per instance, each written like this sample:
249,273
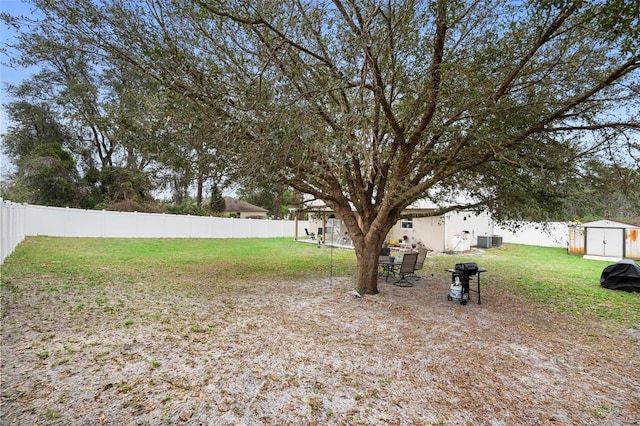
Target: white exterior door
606,242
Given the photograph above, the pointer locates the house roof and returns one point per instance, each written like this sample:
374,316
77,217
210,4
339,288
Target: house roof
234,205
422,204
607,224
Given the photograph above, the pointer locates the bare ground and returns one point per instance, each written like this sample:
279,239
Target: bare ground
304,353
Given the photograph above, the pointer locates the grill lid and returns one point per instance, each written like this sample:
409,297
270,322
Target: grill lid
468,268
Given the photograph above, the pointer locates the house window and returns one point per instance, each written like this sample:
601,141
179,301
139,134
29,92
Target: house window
407,223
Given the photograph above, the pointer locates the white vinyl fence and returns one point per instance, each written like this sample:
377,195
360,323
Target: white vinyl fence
550,234
21,220
12,227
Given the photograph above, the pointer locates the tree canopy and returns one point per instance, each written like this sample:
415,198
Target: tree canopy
371,106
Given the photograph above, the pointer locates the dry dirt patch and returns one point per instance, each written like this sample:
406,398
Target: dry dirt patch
309,353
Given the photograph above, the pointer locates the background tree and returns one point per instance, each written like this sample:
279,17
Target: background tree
37,144
50,174
68,83
101,104
121,117
188,157
125,189
372,106
216,202
605,191
276,198
32,125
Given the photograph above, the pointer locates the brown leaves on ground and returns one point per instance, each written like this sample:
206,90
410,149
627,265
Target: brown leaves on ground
309,353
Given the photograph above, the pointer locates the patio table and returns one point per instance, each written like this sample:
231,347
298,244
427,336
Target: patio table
388,265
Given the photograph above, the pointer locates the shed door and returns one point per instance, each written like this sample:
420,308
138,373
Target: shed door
607,242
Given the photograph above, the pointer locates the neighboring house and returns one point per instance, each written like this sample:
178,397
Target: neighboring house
454,231
242,209
605,239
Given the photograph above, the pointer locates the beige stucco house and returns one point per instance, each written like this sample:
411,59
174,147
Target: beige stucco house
453,231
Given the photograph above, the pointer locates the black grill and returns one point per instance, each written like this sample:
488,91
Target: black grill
462,274
467,269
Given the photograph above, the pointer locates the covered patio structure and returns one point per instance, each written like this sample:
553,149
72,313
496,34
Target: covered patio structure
327,228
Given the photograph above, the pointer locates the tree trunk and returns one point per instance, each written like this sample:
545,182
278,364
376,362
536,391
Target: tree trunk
277,203
367,249
367,233
199,190
367,274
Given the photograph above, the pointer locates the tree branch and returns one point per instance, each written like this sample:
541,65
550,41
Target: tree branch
542,40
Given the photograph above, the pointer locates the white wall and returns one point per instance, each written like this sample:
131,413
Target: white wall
474,224
550,234
438,233
430,231
426,230
20,220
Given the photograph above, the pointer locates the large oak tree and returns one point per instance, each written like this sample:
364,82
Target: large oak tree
373,105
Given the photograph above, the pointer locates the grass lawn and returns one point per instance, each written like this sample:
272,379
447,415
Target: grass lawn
558,281
266,331
545,275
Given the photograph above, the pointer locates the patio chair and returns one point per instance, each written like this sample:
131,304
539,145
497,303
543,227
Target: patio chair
345,240
422,255
310,235
406,268
386,263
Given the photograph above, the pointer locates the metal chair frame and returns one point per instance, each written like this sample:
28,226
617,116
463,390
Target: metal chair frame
406,268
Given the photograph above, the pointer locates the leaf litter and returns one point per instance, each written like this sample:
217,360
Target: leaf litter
308,353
